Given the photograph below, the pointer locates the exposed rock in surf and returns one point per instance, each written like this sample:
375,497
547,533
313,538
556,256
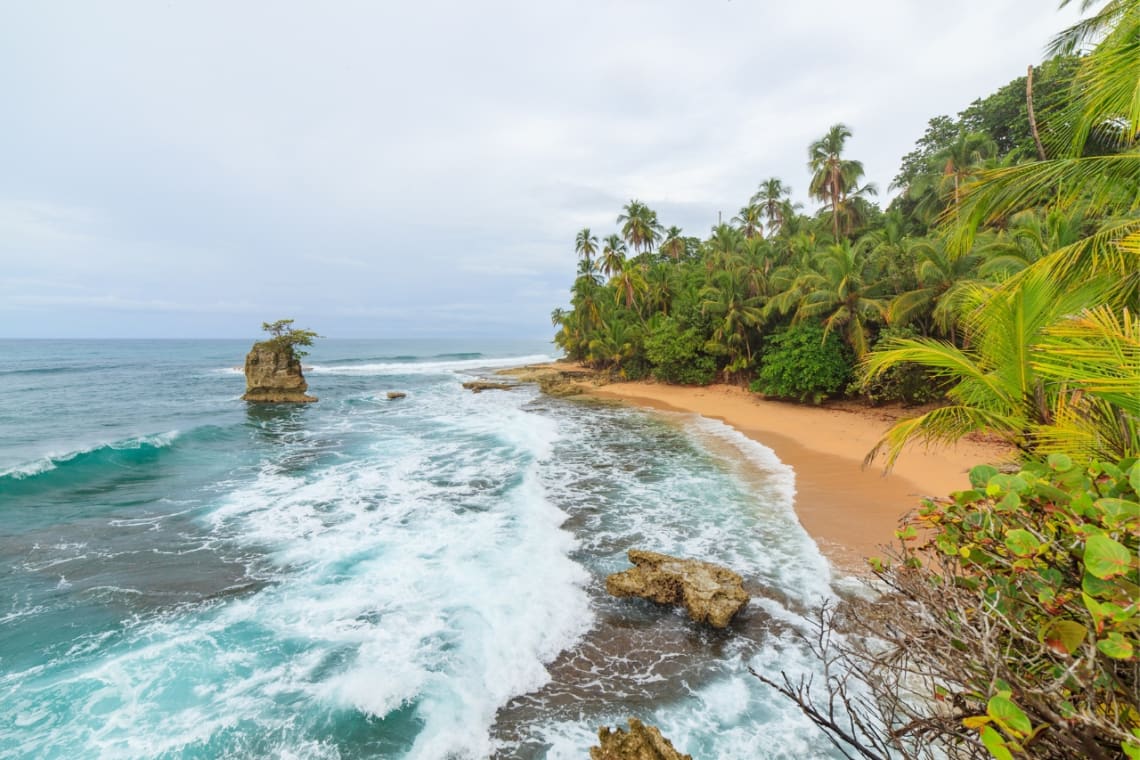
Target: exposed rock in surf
710,593
641,742
273,376
392,395
478,386
556,380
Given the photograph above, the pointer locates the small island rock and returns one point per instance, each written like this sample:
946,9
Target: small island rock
273,376
710,593
641,742
396,394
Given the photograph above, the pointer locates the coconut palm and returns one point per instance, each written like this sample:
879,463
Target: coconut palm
1106,101
674,243
772,197
845,291
613,255
995,387
734,316
943,282
629,283
1094,357
749,220
835,178
639,226
586,245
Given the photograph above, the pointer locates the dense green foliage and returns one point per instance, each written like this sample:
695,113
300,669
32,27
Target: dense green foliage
1045,568
285,337
677,355
803,363
1006,274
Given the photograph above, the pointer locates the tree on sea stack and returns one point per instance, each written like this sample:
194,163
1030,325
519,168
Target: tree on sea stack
273,366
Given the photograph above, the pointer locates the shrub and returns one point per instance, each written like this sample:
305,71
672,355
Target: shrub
677,355
285,337
1010,627
801,363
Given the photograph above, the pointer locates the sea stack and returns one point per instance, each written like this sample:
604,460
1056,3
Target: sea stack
273,375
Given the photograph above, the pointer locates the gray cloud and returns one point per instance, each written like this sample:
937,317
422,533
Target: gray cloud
383,168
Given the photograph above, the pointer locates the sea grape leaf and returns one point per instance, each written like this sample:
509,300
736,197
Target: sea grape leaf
995,744
1106,558
1065,635
1060,462
1116,646
980,475
976,721
1021,542
1118,510
1003,709
1134,476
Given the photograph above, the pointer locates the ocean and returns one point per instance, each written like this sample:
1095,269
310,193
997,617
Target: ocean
183,575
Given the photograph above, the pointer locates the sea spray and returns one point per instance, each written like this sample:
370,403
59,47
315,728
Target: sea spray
367,579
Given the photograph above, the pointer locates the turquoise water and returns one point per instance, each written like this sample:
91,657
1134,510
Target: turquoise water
186,576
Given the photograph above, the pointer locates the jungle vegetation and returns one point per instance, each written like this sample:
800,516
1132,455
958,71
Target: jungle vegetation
1002,284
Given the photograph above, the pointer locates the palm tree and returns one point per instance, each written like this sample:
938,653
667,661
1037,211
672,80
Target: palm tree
725,244
734,314
613,255
586,245
629,283
674,244
943,283
749,221
639,226
844,290
1106,103
771,197
996,388
834,178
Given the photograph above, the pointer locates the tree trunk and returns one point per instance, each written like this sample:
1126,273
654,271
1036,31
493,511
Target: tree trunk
1032,118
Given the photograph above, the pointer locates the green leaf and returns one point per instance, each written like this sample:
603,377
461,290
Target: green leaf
1134,477
1116,646
1106,558
1060,463
1118,511
1131,749
1002,709
1021,542
980,475
1065,635
995,744
1010,503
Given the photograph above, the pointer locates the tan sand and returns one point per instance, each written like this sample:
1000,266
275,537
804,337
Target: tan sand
851,512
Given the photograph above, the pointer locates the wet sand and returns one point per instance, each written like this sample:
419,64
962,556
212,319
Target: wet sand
849,510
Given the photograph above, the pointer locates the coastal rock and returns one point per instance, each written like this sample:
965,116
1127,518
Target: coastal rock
556,379
273,376
392,395
478,386
641,742
710,593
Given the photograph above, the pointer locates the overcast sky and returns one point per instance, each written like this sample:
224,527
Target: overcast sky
191,168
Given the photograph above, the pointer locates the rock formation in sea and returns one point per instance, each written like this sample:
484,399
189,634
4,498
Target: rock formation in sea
641,742
478,386
273,376
556,380
710,593
393,395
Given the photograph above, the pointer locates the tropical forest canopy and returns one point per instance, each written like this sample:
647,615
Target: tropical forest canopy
1001,284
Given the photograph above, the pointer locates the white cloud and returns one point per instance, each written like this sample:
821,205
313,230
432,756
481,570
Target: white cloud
361,159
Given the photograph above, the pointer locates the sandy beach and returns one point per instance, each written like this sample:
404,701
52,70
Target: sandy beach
850,511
